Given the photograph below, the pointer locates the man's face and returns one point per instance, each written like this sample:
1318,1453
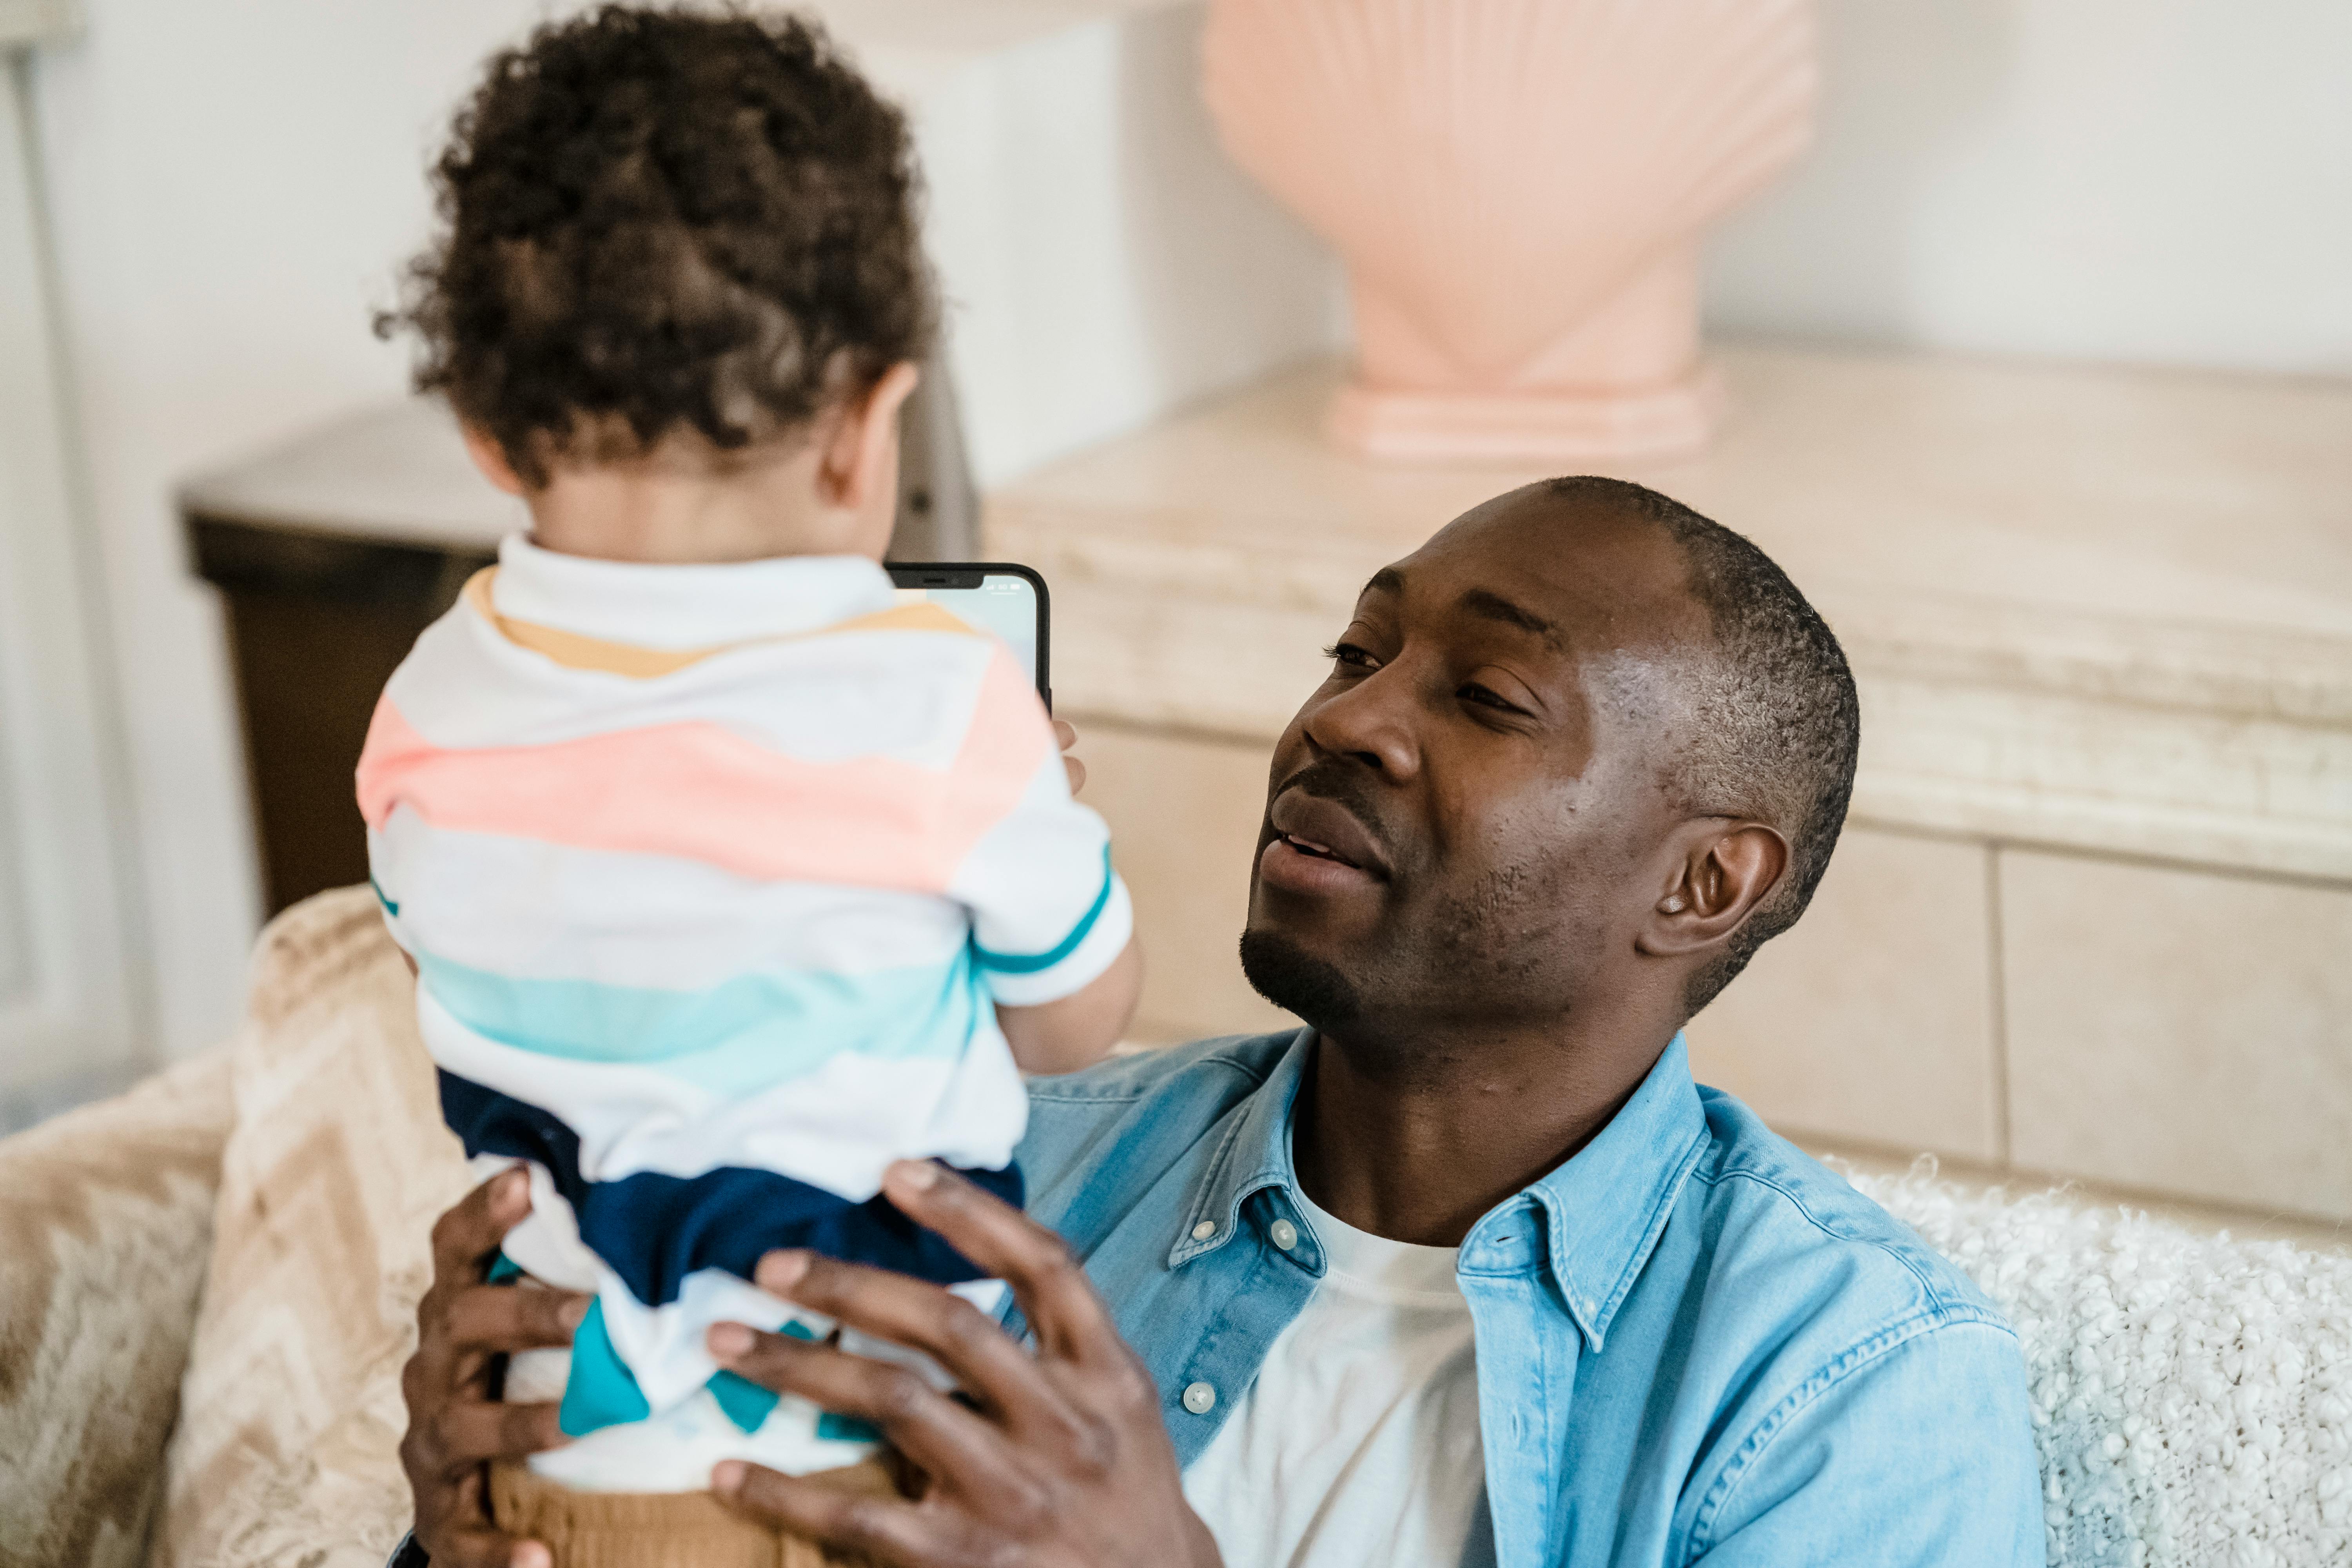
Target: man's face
1461,819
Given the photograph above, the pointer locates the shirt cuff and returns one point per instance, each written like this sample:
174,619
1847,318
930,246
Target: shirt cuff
1097,946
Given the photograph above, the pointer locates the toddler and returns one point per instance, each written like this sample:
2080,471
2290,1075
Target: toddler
728,878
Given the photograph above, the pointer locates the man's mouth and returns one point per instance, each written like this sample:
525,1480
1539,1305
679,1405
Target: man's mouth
1320,851
1320,845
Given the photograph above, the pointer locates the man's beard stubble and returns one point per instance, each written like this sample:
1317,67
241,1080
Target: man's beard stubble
1298,983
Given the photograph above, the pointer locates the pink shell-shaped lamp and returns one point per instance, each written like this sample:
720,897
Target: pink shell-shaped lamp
1517,188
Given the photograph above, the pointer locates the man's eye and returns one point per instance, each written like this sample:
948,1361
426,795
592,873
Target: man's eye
1348,653
1474,692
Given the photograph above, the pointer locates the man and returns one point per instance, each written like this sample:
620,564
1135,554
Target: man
1467,1270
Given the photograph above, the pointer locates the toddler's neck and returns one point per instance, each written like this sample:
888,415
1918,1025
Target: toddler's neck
663,509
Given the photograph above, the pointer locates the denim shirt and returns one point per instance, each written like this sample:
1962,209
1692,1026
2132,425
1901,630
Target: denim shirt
1695,1344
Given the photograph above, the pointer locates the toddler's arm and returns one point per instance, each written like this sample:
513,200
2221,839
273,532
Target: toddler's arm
1053,930
1080,1029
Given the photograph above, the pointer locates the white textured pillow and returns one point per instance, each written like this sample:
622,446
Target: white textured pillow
2192,1395
337,1166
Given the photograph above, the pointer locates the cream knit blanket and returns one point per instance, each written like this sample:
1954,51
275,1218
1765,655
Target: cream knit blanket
2192,1395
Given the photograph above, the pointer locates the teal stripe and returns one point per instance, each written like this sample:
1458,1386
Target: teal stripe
744,1403
835,1429
744,1035
600,1391
1029,964
389,906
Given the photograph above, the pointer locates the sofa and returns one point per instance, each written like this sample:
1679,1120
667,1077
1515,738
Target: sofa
207,1286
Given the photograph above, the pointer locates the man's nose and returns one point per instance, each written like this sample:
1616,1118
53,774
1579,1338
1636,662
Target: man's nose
1371,720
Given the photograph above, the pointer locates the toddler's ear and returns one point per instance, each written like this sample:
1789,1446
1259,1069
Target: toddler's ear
860,468
491,458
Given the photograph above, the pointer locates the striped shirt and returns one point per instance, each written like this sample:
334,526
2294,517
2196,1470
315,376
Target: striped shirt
713,875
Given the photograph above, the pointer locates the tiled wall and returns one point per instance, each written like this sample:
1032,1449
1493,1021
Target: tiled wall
1184,816
2177,1031
1875,1017
2180,1030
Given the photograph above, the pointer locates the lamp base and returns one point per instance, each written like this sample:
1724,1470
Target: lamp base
1556,428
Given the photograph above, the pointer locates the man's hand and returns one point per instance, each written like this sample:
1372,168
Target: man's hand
455,1428
1059,1461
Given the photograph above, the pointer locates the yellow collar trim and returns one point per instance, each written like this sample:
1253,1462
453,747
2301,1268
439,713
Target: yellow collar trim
573,651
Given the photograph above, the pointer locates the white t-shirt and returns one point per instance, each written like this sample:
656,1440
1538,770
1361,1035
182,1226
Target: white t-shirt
1357,1445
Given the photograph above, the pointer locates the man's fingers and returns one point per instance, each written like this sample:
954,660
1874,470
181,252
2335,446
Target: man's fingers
890,1529
479,1546
1064,1312
467,1235
970,1344
471,1434
511,1317
939,1435
471,1542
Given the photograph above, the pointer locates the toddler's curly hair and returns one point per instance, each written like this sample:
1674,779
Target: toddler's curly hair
657,220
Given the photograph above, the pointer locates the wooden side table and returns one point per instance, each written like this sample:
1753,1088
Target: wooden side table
332,553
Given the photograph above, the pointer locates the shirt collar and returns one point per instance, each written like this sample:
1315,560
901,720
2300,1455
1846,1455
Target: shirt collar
1600,1213
682,608
1606,1207
1254,1154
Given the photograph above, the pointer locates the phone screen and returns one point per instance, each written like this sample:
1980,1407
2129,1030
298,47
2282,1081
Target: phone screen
1007,600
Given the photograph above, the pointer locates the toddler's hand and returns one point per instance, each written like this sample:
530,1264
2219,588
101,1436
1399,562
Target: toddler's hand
1069,739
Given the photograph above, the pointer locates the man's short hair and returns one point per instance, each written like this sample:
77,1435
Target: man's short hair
1774,725
657,221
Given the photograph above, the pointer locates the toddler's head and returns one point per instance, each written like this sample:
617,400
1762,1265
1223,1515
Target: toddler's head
680,288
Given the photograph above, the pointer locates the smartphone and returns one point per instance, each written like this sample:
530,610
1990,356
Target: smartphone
995,596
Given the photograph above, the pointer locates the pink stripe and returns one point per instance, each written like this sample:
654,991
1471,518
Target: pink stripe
698,791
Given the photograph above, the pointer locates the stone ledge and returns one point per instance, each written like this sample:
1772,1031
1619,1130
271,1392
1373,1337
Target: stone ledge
26,23
2095,609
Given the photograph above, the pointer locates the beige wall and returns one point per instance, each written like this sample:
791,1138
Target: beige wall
2129,181
233,181
1184,815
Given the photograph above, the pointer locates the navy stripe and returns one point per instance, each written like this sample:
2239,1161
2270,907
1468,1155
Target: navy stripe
654,1230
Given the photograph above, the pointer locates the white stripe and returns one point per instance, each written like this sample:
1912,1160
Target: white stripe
534,911
546,1245
838,1128
907,695
676,1450
683,606
1035,870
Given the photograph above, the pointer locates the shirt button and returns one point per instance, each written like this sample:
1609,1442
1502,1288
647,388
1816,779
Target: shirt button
1200,1399
1284,1234
1205,1229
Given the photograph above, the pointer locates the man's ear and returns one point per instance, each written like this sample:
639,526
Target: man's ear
861,450
491,458
1721,870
